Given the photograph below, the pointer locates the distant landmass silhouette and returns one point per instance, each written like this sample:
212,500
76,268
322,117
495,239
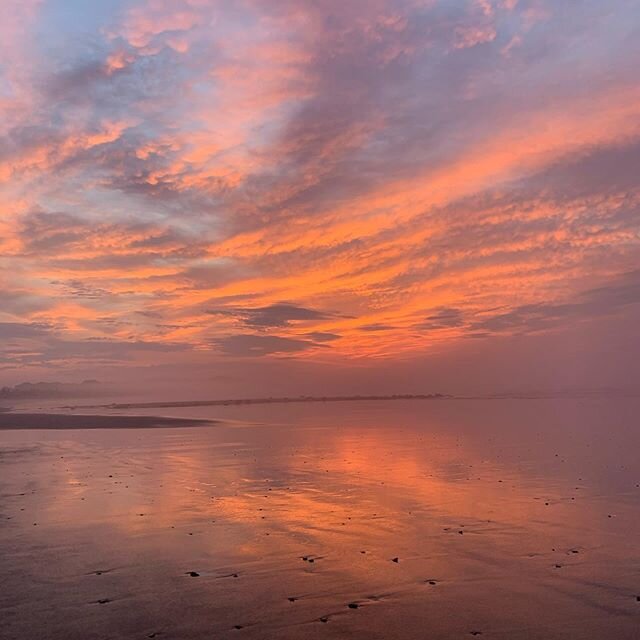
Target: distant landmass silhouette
37,390
271,400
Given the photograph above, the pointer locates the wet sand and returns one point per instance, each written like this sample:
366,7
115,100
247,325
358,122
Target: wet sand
510,519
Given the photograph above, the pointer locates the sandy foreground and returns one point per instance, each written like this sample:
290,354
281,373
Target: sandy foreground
492,519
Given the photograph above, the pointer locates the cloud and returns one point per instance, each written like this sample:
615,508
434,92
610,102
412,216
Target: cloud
602,169
79,289
10,330
42,231
22,303
593,303
443,318
376,326
273,316
322,336
261,345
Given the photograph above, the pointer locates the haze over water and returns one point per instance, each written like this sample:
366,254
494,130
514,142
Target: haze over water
407,519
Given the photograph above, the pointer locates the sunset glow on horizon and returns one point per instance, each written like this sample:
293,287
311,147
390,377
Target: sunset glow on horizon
407,194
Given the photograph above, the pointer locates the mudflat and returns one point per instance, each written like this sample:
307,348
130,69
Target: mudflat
496,519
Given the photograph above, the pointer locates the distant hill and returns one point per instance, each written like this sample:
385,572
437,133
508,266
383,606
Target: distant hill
43,390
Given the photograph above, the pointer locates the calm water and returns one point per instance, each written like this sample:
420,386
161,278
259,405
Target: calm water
513,519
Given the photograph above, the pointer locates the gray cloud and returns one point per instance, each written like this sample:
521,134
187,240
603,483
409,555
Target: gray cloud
79,289
376,326
52,350
56,236
261,345
273,316
601,301
322,336
10,330
42,231
443,318
600,170
20,302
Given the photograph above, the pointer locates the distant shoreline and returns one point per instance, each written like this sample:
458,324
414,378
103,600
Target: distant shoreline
252,401
231,402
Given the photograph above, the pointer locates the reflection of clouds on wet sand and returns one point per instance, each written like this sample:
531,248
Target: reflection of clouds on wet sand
405,516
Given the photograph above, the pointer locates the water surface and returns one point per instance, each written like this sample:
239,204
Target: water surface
432,519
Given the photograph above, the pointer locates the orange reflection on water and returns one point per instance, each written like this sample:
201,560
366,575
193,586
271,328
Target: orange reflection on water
336,505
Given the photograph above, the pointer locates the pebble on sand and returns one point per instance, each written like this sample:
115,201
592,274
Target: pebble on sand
193,574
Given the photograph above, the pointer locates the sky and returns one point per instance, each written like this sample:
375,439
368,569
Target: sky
248,197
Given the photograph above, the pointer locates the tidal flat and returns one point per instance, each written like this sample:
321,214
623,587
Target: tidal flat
408,520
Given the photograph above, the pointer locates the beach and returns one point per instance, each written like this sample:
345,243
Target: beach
449,519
